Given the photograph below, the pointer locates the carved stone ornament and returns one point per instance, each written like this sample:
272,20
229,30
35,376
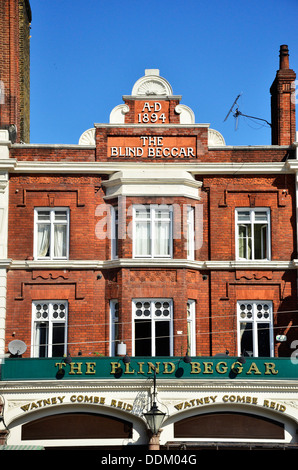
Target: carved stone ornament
88,137
152,85
117,115
186,114
215,138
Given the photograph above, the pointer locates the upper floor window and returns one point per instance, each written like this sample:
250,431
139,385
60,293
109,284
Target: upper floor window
114,326
152,234
49,333
255,328
51,233
190,232
252,234
191,327
114,232
153,327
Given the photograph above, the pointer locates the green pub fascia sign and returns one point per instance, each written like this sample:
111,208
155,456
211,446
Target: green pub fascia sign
144,367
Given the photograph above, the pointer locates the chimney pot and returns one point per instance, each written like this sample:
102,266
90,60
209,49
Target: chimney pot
284,57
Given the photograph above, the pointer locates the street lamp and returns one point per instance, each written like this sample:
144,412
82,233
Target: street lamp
154,418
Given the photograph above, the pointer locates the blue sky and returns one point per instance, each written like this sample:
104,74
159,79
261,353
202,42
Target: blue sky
85,55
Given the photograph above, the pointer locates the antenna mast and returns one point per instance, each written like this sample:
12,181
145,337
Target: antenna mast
237,113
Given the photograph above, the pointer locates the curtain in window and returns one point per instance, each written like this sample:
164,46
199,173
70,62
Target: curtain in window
43,240
59,240
142,239
162,237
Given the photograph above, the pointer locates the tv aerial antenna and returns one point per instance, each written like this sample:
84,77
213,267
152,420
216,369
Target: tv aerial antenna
237,113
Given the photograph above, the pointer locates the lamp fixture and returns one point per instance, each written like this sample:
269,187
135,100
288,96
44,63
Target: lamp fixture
154,416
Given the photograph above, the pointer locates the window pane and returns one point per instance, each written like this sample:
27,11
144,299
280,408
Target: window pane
162,239
49,323
244,216
261,216
58,348
244,241
191,348
114,307
41,339
142,213
162,213
61,215
43,240
143,338
51,235
263,340
190,233
60,240
246,335
115,233
162,338
43,215
142,241
253,236
260,234
264,232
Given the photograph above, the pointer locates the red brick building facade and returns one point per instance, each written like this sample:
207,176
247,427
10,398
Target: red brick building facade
151,234
178,170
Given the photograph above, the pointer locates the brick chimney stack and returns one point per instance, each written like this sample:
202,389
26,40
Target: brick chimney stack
283,116
15,19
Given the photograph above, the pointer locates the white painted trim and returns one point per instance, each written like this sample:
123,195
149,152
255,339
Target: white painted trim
153,320
3,289
166,182
51,222
152,263
156,126
152,229
252,222
50,321
255,322
112,317
195,168
191,320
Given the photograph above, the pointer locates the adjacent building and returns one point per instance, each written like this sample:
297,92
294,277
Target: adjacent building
151,263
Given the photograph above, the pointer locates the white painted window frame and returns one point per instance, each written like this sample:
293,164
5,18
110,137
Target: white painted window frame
114,320
153,319
255,321
50,321
52,222
152,219
190,232
252,212
191,327
114,232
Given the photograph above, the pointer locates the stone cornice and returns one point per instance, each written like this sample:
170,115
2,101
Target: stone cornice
152,126
148,263
164,385
109,167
